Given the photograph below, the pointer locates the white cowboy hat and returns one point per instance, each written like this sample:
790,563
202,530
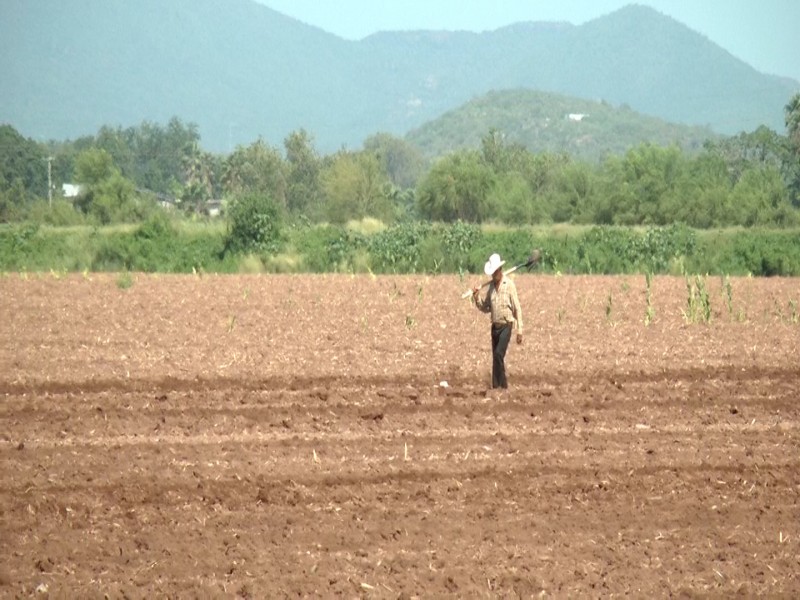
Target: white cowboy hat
494,263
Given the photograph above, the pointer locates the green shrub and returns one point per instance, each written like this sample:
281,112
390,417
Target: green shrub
742,252
250,264
397,249
327,248
160,244
254,225
58,214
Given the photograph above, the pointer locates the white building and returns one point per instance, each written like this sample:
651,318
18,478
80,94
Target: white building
70,190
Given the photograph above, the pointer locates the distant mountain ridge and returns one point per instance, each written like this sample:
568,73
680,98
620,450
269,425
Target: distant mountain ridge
241,70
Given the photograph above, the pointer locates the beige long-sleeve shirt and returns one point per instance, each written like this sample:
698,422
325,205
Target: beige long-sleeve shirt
502,303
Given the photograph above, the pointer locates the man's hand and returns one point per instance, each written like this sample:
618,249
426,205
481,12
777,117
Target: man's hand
519,338
475,291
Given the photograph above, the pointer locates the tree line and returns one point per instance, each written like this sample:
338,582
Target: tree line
751,179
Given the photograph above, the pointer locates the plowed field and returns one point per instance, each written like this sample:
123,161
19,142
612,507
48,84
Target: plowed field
275,436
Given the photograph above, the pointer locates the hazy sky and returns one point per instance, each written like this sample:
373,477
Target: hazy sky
763,33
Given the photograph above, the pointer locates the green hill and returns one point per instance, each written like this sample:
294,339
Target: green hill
554,123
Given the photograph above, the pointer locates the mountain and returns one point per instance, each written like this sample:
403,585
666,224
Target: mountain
241,70
235,68
545,122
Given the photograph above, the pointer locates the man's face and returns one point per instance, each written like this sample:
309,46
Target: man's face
497,276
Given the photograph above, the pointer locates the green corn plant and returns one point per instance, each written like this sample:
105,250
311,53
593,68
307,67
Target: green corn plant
726,284
705,302
698,303
690,314
650,312
124,281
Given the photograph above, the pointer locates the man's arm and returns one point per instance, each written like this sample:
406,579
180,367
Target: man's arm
483,304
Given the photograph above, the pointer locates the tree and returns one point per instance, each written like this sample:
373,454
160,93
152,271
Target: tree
106,195
355,186
513,199
12,200
113,201
151,155
702,196
401,161
93,166
160,153
501,156
303,191
22,160
545,174
652,172
792,111
457,188
635,188
793,162
616,202
762,147
198,173
572,193
761,198
119,144
256,168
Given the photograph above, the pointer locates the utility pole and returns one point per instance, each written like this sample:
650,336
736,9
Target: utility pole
50,180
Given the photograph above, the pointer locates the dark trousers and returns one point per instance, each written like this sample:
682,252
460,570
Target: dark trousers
501,336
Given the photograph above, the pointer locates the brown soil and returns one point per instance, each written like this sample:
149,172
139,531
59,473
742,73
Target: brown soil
272,436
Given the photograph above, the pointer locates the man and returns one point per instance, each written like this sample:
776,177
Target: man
502,302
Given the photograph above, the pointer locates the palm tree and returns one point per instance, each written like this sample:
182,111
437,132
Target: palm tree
793,122
198,176
793,133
